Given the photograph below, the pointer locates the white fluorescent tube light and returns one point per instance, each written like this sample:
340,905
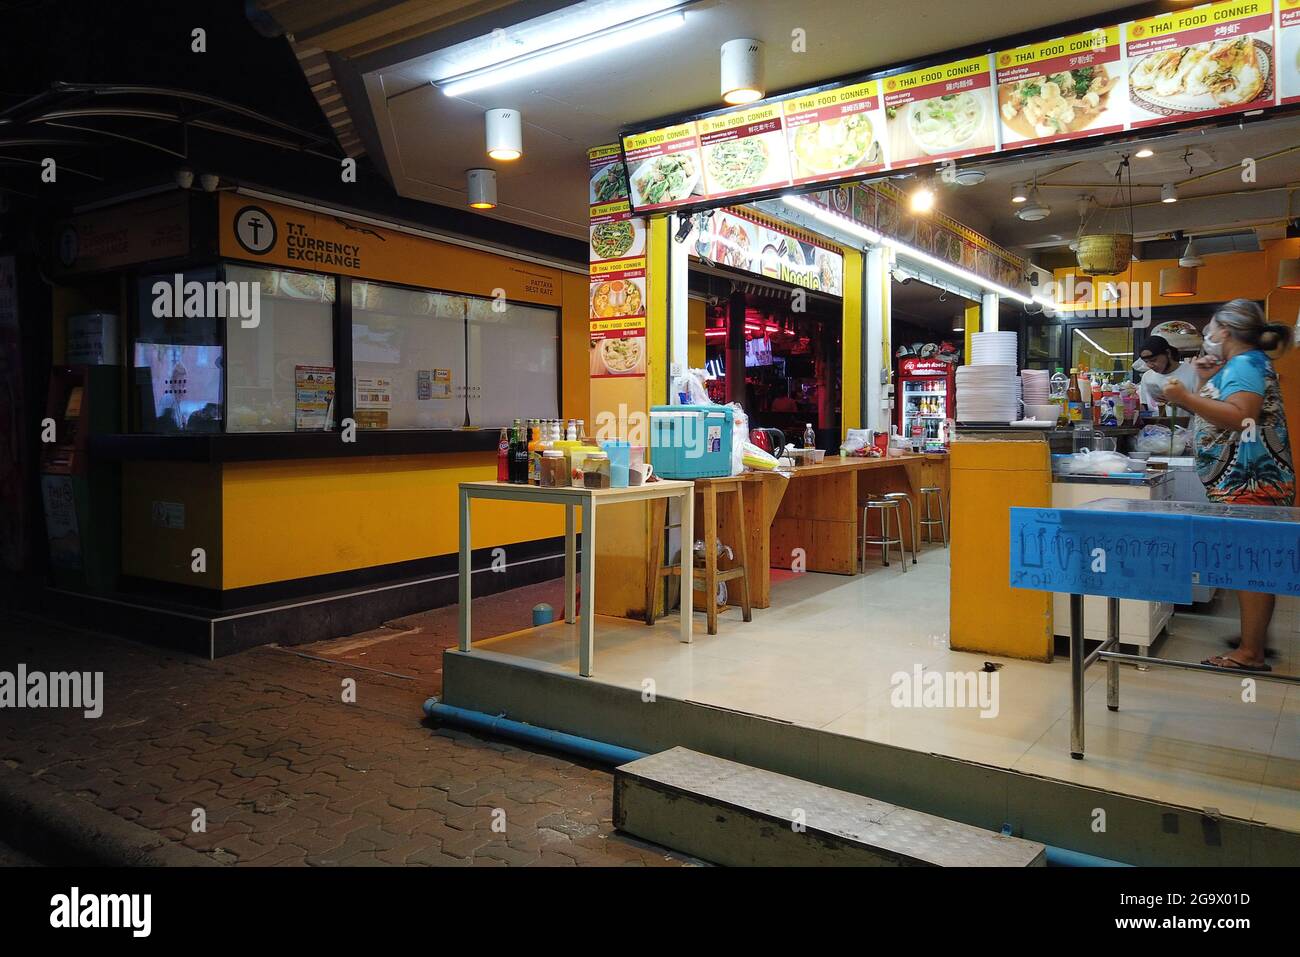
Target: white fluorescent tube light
850,226
857,229
957,271
563,53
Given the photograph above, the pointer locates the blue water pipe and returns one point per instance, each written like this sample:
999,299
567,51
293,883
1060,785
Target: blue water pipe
604,753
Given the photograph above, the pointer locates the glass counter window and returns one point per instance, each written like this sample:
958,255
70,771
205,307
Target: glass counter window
280,371
176,360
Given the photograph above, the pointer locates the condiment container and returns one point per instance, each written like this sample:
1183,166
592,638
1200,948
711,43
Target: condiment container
595,470
554,469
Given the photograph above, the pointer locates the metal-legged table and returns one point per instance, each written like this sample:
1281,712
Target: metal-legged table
589,500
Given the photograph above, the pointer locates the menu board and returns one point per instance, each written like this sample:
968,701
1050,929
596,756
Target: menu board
1060,90
1288,51
745,242
1194,63
940,112
1201,62
664,168
744,151
835,133
617,293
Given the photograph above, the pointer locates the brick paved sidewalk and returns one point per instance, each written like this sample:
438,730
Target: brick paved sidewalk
287,773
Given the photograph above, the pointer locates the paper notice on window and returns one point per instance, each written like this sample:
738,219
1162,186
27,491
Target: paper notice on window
313,398
373,400
433,384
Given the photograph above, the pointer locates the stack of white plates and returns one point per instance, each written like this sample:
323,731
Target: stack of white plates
987,393
1034,386
993,349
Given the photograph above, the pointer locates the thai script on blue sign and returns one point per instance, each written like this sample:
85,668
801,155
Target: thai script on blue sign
1119,555
1246,555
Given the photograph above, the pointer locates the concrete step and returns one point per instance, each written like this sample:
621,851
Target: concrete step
737,815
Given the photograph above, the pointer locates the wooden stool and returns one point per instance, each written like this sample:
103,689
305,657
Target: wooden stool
707,526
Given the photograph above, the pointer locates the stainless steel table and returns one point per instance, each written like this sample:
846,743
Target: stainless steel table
589,500
1133,548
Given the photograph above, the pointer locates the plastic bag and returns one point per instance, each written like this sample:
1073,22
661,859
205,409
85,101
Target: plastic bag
689,388
1154,439
856,439
1091,462
755,458
739,437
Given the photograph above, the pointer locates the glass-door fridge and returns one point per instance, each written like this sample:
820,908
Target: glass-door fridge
927,397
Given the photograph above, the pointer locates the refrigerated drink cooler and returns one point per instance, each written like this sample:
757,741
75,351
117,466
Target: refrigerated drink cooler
926,399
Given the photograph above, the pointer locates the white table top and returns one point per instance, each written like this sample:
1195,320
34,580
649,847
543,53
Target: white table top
658,489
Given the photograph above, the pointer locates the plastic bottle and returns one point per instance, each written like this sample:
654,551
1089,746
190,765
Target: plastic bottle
503,457
535,453
809,437
571,434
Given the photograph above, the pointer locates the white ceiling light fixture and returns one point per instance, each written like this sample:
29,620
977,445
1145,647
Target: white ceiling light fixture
1019,193
563,53
970,177
1145,152
744,78
1168,193
504,131
481,188
1034,209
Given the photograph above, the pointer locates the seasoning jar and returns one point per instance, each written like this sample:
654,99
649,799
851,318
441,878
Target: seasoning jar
595,470
554,470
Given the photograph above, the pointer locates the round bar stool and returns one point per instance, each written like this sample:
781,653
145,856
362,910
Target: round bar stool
904,499
928,494
886,507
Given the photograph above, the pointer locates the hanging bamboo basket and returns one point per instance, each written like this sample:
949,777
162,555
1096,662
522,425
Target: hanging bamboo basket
1105,254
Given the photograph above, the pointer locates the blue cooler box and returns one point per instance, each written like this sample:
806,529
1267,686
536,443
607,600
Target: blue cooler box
691,441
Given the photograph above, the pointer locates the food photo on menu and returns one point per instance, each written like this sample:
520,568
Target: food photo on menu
834,133
744,152
1288,51
663,167
1072,86
614,354
1181,67
940,112
617,239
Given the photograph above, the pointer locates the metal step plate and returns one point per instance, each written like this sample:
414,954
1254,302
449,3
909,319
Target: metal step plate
734,814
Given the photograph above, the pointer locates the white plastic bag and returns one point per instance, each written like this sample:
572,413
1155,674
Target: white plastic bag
690,384
1091,462
856,439
739,437
1155,440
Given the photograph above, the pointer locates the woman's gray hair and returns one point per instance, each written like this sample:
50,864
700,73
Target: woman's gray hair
1245,320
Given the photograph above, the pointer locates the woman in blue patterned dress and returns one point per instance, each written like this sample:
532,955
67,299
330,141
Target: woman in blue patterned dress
1243,453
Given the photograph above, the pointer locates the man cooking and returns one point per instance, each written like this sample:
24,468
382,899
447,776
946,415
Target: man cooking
1159,362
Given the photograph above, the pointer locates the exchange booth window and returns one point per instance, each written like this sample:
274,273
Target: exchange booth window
428,360
291,344
176,360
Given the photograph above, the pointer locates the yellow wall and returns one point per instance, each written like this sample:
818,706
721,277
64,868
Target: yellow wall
152,551
575,345
696,316
285,520
851,381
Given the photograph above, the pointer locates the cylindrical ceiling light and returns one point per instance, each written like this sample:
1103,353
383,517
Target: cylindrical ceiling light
1168,193
481,187
505,134
1019,193
1288,274
1177,282
743,72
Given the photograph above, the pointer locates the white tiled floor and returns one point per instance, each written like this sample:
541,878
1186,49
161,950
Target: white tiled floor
824,655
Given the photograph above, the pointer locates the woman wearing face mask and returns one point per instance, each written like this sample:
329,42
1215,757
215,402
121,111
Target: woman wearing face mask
1243,453
1158,362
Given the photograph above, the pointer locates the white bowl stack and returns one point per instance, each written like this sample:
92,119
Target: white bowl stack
1034,386
987,388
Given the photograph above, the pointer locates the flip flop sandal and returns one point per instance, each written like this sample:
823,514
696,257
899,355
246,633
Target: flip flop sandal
1219,661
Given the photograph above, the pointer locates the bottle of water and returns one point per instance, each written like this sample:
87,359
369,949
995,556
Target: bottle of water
809,437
